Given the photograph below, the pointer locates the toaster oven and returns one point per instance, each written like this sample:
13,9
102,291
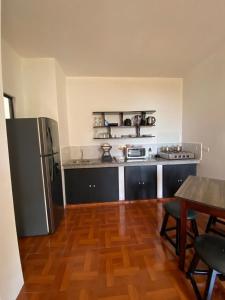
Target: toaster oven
133,153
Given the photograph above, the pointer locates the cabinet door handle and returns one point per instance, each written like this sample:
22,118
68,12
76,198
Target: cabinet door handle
143,183
89,185
94,185
139,183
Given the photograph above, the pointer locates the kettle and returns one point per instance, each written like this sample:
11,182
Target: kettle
151,120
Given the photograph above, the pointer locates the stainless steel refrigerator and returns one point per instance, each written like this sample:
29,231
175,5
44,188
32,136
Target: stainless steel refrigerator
36,175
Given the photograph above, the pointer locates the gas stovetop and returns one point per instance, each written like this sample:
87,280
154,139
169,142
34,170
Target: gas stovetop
176,155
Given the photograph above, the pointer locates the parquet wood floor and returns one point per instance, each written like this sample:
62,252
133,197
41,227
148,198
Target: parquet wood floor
111,252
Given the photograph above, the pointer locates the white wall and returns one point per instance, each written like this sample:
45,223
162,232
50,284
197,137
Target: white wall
204,112
12,77
32,82
85,95
38,86
11,278
45,92
60,81
40,96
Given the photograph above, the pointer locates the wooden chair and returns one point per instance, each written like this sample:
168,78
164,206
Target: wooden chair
211,250
172,209
211,226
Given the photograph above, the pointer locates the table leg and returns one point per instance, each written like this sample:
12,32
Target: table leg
183,233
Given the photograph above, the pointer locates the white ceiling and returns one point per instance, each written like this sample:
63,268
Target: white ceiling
116,37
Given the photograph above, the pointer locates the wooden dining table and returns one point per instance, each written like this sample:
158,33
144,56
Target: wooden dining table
201,194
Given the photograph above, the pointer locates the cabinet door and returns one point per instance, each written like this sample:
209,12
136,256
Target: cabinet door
174,176
140,182
105,184
91,185
132,183
148,182
76,185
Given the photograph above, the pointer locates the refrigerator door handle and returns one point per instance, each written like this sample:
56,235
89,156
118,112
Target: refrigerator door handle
43,180
48,178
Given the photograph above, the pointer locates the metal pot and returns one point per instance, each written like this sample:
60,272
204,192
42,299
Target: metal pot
178,148
127,122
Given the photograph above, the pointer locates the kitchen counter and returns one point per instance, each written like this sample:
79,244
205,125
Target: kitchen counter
162,169
97,163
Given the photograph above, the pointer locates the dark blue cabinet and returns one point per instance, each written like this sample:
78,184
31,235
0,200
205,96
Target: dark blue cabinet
90,185
174,176
140,182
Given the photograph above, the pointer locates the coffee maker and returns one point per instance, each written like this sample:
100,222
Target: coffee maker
106,156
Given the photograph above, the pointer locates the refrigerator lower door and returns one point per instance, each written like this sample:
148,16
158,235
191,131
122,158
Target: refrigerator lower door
53,190
57,190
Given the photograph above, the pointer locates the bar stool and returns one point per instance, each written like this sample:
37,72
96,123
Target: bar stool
211,250
211,225
172,209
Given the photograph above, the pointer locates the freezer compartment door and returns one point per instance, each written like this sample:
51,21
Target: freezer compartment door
53,190
49,136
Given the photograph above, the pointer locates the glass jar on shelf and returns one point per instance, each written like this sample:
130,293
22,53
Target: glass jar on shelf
98,122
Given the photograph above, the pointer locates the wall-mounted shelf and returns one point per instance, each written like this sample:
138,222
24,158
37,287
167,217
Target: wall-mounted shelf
131,112
126,137
96,127
101,122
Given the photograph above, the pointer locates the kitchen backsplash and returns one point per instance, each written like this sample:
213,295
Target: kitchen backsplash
94,151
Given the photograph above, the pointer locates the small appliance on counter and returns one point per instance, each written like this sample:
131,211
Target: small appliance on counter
135,153
175,153
106,156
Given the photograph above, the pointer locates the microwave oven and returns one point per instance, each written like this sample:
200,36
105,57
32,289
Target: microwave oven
133,153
